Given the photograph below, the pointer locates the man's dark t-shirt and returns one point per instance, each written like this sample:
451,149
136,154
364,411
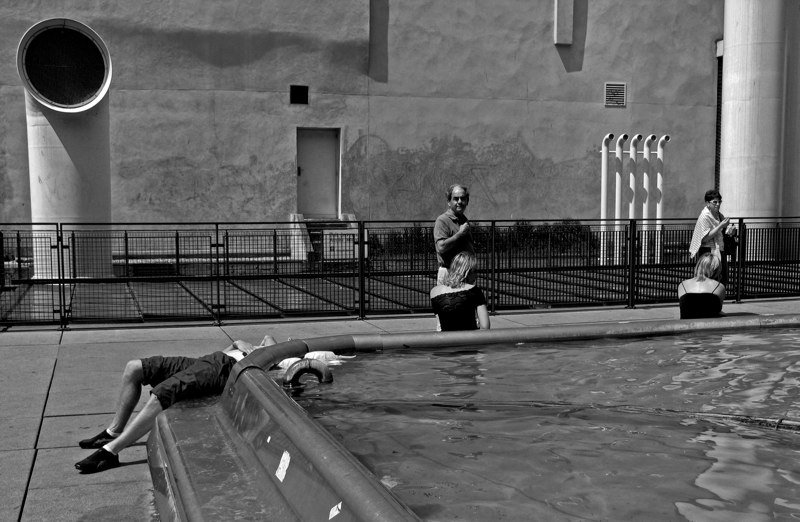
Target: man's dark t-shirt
446,226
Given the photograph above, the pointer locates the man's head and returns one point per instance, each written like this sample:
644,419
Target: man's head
457,198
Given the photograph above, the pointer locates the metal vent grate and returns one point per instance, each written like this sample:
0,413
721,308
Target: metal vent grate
616,94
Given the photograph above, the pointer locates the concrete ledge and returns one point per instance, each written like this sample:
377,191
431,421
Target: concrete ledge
255,453
622,329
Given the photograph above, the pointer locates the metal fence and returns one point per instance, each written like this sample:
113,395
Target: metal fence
61,273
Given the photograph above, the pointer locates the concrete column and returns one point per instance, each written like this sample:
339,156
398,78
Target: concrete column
751,159
791,132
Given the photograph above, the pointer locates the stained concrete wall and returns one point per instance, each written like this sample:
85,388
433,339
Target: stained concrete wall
426,92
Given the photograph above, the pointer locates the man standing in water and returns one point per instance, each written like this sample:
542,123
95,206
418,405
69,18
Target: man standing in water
451,232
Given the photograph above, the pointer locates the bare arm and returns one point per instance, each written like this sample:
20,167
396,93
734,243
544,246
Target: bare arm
483,317
717,229
445,244
720,292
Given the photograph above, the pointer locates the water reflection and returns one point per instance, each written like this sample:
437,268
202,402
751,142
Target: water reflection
459,372
742,373
743,484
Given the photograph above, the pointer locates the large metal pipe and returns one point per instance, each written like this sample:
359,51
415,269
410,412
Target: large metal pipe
604,193
66,71
660,193
618,162
660,177
604,175
632,175
618,168
646,232
648,142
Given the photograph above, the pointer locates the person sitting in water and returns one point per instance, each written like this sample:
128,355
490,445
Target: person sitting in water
702,295
457,301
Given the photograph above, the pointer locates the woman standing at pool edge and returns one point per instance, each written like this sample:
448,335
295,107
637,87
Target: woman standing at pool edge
709,230
457,300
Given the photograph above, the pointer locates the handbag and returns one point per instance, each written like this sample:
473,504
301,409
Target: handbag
731,243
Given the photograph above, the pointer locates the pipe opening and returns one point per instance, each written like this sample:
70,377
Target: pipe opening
64,64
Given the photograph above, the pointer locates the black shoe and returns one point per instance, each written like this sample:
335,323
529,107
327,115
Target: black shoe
98,441
100,460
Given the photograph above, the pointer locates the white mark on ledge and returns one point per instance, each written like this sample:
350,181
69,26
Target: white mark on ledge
283,466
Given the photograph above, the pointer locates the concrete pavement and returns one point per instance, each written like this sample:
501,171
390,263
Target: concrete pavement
60,386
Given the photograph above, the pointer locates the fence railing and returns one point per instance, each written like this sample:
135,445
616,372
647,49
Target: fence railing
63,273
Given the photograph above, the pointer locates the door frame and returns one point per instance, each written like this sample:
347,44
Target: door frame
338,180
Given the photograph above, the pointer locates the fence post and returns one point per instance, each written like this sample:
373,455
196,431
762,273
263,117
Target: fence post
126,252
62,299
362,312
413,250
19,255
227,254
215,271
73,254
274,250
740,255
493,270
3,266
632,263
177,253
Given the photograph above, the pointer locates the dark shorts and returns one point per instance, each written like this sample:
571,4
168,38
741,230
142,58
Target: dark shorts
177,379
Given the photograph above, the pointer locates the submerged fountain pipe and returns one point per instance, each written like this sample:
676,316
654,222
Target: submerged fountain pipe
632,175
66,72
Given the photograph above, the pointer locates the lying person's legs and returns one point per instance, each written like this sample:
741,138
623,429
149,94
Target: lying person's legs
107,456
129,393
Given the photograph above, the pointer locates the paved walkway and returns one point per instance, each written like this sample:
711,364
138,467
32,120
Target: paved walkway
60,386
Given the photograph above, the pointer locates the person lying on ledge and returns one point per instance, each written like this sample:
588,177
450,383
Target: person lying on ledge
702,295
173,379
457,301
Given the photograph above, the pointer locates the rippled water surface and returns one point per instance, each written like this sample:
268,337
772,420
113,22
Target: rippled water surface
597,430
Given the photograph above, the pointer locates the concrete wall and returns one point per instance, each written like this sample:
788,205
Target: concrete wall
426,92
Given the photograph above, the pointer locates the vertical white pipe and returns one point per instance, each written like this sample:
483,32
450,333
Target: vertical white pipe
604,175
604,194
632,175
660,192
618,197
646,197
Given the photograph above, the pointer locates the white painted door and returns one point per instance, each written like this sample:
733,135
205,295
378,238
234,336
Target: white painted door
318,173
